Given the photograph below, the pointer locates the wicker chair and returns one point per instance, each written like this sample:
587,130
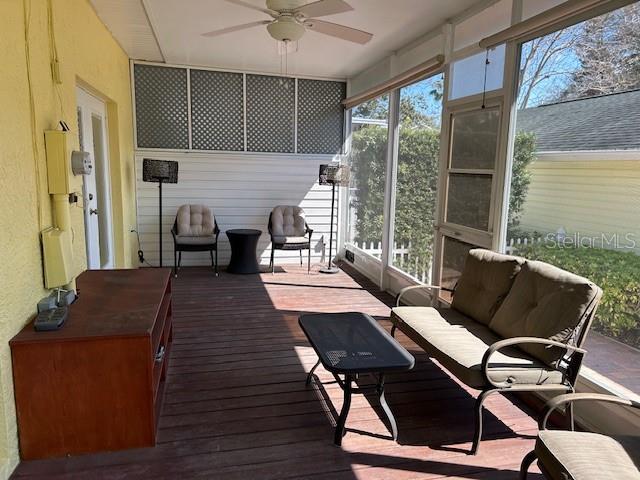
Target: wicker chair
571,455
289,231
195,230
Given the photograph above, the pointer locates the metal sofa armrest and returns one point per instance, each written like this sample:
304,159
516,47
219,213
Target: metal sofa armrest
508,342
416,287
581,397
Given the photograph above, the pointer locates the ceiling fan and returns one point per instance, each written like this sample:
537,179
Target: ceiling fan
291,18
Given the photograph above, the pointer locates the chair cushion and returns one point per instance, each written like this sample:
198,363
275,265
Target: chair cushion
459,343
588,456
486,279
194,220
544,302
289,240
287,221
191,240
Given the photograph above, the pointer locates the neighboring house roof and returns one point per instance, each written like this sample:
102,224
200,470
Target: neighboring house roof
607,122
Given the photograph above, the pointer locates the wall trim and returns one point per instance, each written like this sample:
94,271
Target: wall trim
228,70
588,155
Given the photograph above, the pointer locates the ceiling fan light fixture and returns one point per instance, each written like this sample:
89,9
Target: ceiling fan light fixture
286,29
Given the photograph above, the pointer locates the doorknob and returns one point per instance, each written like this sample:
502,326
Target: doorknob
93,211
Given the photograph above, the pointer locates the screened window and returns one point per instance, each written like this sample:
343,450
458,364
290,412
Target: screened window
574,197
468,74
368,172
417,177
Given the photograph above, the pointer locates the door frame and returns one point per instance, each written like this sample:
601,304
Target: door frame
96,107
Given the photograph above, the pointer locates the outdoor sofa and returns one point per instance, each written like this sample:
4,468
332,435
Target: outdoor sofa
513,325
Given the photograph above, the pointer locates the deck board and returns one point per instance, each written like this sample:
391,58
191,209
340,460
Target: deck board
236,405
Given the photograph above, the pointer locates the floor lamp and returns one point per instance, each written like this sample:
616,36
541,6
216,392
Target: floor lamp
159,171
336,176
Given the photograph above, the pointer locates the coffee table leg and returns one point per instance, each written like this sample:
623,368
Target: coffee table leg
346,404
310,376
385,407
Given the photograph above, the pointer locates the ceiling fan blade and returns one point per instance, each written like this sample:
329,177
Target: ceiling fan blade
339,31
323,7
222,31
272,13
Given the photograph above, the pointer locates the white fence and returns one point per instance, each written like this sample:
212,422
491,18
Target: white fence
401,259
421,270
514,243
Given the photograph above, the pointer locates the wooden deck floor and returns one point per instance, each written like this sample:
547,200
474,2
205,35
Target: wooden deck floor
236,404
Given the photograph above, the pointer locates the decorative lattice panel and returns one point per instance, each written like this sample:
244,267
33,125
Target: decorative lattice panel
217,112
161,107
270,114
320,116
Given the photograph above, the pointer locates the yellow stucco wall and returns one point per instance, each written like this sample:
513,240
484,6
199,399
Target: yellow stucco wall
88,56
591,198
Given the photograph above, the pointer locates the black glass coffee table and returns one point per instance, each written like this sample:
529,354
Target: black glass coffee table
352,344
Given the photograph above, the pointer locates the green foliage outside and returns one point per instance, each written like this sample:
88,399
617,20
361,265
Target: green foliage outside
416,187
368,152
523,155
615,271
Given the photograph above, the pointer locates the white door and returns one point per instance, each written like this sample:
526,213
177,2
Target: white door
467,185
96,189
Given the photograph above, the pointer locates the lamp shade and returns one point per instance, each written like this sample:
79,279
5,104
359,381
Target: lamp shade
334,174
165,171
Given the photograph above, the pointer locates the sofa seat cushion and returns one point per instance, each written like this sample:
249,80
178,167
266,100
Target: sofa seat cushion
459,344
587,456
199,240
485,281
280,239
545,302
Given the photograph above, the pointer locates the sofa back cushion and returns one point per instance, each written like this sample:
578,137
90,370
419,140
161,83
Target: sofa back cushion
545,302
194,221
486,279
288,221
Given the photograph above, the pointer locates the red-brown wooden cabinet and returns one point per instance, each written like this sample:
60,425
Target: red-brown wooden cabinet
97,383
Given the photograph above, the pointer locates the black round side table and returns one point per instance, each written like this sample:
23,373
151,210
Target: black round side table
244,242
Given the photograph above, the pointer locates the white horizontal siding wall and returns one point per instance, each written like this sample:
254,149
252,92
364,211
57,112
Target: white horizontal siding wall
241,189
592,197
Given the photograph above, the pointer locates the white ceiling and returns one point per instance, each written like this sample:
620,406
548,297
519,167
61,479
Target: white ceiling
127,21
177,25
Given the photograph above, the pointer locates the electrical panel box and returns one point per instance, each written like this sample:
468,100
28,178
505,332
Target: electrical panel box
58,162
58,257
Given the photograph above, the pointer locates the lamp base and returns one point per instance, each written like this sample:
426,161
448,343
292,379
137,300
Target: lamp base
329,270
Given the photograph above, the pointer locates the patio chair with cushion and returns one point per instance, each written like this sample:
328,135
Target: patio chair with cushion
514,325
195,230
566,455
289,231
